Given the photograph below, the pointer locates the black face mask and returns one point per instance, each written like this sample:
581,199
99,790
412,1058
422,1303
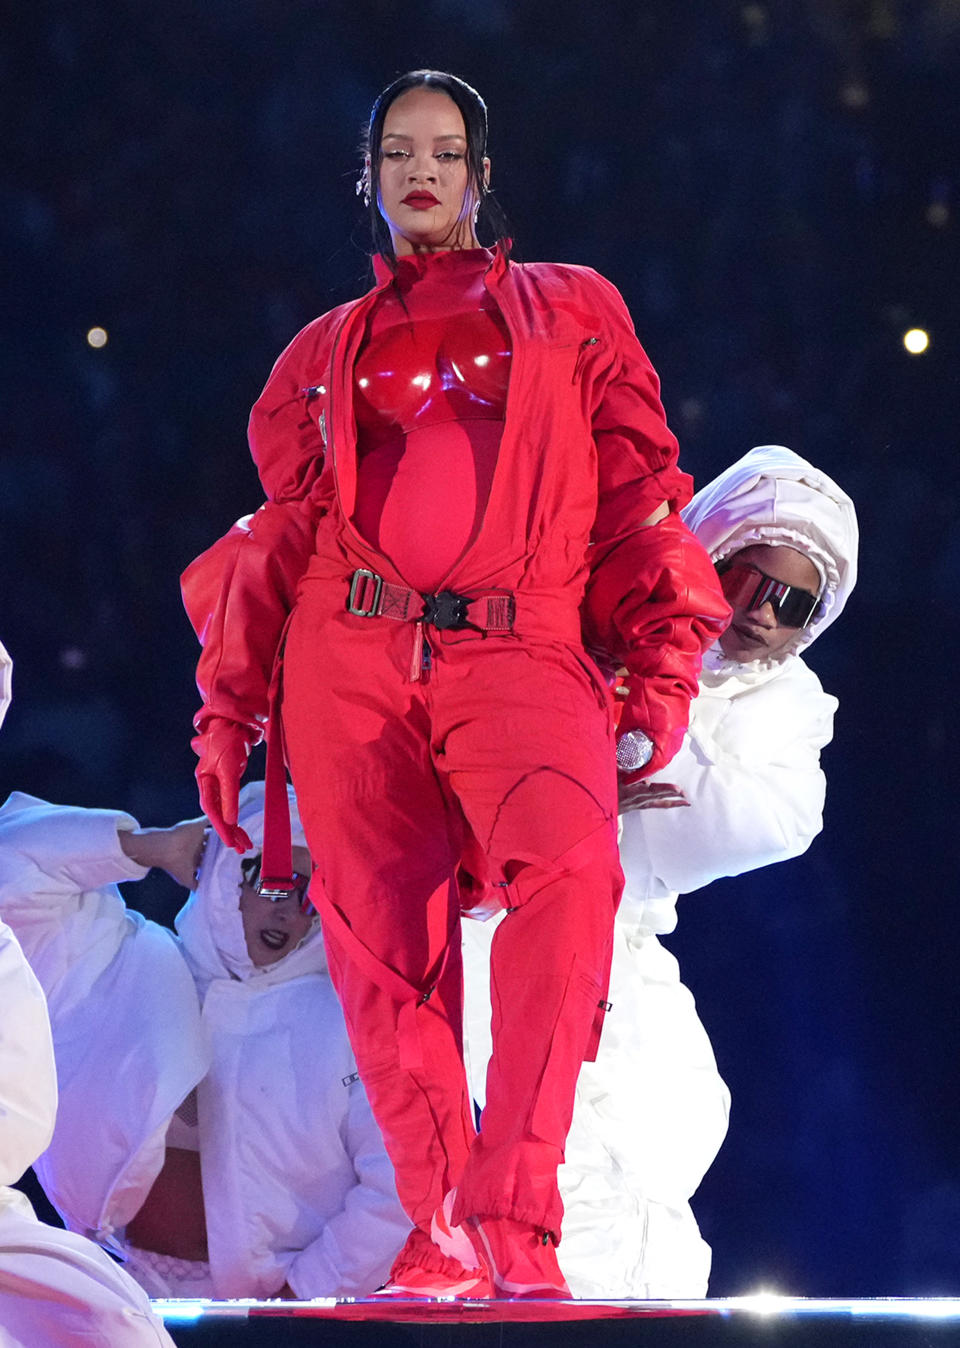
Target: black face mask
746,586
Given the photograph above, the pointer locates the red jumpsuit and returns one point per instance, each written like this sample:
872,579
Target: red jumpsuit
412,744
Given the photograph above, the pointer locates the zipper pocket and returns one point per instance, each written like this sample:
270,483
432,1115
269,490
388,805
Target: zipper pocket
586,346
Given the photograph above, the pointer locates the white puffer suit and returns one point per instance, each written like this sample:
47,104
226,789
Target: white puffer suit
56,1289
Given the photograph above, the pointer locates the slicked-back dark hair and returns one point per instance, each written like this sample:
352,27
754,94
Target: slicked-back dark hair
474,113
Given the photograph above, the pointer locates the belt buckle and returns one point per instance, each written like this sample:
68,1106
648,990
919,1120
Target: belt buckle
358,584
446,611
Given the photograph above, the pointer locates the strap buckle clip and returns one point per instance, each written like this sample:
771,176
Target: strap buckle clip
275,888
360,584
446,610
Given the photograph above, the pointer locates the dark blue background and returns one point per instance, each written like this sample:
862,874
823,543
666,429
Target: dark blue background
773,187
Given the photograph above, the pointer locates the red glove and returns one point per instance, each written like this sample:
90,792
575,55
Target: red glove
238,595
654,604
223,748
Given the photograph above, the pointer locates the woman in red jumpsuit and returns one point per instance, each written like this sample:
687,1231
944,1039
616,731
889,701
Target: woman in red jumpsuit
468,476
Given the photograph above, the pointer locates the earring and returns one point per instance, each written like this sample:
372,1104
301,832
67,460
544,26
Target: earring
363,187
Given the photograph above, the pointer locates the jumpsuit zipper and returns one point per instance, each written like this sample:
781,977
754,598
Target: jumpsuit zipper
421,656
314,391
421,659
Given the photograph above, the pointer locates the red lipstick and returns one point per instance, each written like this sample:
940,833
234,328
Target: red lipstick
420,201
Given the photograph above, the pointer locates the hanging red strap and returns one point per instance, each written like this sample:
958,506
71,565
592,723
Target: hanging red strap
276,867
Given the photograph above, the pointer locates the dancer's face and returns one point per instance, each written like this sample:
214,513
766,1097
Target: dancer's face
756,633
273,928
424,190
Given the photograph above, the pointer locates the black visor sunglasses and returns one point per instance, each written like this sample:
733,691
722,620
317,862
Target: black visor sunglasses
746,586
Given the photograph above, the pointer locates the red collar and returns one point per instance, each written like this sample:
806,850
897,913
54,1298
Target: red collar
383,272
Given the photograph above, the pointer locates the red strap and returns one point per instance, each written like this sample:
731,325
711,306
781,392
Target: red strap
399,602
276,866
491,610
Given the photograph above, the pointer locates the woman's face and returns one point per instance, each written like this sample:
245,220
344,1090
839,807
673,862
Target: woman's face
423,192
273,928
757,633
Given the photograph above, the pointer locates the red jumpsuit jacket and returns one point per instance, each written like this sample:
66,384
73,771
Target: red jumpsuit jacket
586,457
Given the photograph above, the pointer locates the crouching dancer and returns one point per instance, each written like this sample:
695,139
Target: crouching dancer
745,790
56,1289
212,1129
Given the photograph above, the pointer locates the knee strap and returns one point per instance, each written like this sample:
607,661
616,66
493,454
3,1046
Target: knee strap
409,995
538,871
535,877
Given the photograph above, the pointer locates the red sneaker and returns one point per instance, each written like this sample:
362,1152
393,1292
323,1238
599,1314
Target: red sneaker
425,1268
428,1282
453,1241
521,1260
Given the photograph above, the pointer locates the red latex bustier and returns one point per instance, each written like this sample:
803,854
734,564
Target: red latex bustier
430,388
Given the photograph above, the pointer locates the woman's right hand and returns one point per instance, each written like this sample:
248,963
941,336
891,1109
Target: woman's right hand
647,795
222,747
178,850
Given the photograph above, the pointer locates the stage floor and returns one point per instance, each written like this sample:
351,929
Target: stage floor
764,1320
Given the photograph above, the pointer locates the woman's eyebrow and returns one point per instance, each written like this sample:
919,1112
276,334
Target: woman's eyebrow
401,135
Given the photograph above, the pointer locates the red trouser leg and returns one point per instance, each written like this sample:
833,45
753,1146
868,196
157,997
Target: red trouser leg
549,967
519,741
527,743
386,839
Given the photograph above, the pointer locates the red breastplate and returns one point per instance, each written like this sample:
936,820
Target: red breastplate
430,387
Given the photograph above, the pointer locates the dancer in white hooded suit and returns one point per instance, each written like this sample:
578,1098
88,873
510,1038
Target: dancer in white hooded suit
171,1045
651,1112
56,1289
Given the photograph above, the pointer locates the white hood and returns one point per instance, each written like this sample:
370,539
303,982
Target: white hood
210,925
773,496
6,682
